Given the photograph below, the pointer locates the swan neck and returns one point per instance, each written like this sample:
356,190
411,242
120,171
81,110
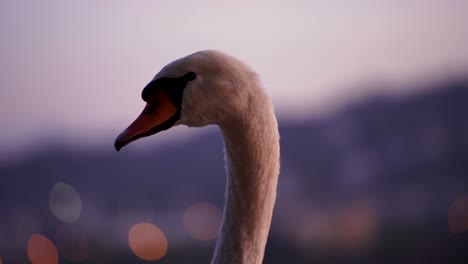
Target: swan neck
252,164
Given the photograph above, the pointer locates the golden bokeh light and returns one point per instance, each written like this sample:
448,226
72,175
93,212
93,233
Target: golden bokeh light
65,202
310,227
458,215
41,250
202,221
356,226
147,241
72,243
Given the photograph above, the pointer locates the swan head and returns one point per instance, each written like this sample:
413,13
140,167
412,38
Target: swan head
207,87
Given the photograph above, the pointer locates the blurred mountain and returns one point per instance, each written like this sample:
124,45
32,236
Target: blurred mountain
371,183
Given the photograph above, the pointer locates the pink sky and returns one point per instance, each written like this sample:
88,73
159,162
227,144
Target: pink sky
76,68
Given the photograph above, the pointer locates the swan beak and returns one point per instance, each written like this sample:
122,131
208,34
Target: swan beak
159,114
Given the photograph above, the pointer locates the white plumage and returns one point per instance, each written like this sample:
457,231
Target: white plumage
226,92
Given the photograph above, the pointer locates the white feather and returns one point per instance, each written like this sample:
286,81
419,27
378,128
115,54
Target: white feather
228,93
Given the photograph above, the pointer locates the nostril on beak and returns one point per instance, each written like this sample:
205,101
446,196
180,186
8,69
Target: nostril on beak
150,109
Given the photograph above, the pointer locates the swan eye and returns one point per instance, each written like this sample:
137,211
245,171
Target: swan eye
190,76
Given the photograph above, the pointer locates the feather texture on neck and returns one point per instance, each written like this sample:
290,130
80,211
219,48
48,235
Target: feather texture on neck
252,164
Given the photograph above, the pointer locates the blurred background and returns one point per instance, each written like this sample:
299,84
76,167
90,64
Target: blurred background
372,102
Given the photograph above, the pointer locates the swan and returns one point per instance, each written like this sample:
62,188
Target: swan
212,87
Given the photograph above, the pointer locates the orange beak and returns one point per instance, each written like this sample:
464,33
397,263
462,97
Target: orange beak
159,114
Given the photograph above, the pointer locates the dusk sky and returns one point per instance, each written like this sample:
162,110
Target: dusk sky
75,69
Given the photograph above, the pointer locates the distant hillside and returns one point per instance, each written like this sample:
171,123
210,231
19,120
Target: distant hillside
372,183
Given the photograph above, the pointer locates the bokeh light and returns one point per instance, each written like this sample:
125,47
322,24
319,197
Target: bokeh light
309,227
1,262
356,226
458,215
41,250
133,207
72,243
346,227
202,221
147,241
65,202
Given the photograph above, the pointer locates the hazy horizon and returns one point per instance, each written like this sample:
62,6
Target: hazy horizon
74,70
